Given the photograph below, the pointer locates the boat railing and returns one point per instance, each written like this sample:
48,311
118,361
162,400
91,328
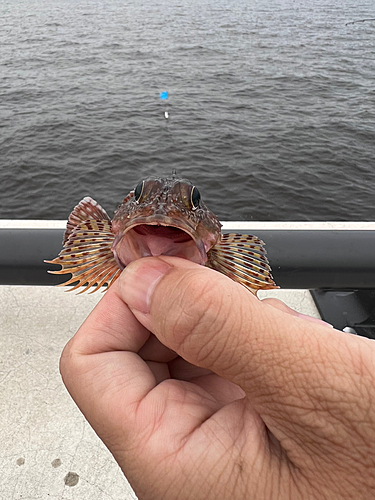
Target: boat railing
334,260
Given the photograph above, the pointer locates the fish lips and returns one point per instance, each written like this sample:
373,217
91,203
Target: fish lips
157,235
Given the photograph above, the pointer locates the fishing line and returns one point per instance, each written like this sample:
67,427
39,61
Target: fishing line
166,113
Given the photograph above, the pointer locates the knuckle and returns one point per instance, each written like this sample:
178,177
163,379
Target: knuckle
200,320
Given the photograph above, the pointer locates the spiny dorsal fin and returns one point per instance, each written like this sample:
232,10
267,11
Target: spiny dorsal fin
85,210
242,257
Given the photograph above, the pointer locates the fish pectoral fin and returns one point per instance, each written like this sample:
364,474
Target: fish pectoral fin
88,257
242,257
86,209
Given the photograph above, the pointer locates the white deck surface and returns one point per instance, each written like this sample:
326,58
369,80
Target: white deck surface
48,451
43,435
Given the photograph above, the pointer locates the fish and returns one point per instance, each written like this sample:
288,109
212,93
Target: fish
160,216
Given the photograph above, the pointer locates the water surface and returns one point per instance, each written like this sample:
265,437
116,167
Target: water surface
271,103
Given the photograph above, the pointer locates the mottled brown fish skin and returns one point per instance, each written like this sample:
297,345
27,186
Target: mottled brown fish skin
161,216
168,202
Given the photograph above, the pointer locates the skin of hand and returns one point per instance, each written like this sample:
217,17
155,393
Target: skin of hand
201,391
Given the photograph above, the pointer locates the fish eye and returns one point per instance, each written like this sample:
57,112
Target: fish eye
138,191
195,198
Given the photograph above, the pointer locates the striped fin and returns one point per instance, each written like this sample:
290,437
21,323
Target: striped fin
86,209
87,253
242,257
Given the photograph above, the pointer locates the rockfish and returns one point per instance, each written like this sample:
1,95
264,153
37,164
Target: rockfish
159,217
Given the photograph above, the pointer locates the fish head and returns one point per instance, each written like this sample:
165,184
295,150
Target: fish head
164,216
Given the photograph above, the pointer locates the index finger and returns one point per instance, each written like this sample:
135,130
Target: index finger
101,361
111,326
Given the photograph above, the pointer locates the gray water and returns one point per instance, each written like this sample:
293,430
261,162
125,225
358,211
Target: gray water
271,102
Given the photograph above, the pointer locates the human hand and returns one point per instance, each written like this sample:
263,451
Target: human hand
258,403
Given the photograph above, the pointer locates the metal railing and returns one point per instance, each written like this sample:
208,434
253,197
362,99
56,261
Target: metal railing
335,260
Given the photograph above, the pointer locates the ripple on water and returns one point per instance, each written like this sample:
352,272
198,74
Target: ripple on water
271,104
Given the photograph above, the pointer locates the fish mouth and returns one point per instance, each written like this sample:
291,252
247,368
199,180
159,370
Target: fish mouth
155,236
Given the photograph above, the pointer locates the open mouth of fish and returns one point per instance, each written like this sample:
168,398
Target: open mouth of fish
154,237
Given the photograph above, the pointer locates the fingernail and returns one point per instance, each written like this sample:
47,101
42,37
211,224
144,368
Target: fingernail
138,282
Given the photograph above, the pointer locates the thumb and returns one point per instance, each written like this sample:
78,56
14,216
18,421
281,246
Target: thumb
214,323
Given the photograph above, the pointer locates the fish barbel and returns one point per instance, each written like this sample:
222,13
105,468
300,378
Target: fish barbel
159,217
